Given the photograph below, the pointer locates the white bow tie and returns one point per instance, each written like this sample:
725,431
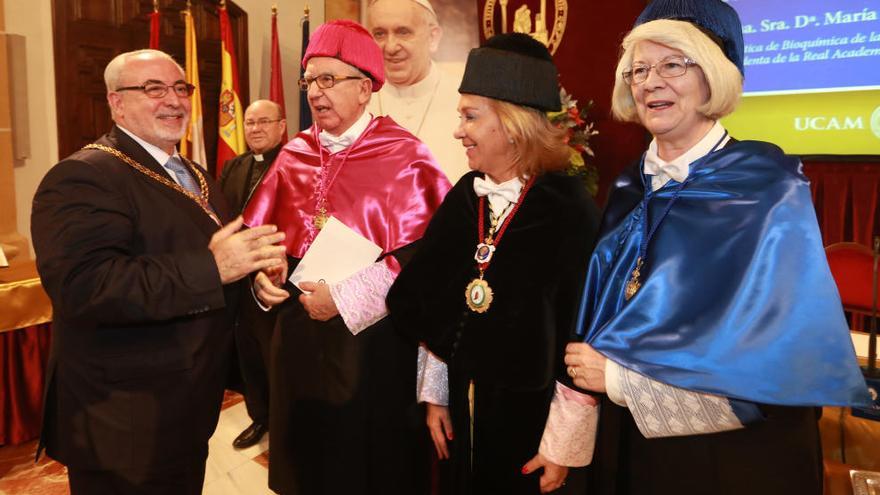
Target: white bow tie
338,142
671,170
500,195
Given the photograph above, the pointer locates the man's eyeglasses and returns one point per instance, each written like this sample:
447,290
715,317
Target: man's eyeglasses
673,66
260,123
324,81
156,89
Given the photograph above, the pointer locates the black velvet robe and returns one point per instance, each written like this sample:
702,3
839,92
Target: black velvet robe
343,413
513,352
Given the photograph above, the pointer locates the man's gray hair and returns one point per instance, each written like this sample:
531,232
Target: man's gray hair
114,69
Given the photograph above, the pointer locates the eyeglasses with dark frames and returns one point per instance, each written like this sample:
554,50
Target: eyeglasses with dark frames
324,81
672,66
260,122
158,89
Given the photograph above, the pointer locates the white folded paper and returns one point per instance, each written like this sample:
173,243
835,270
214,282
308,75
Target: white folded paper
3,261
337,253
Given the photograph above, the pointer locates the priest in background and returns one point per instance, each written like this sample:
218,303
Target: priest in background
264,131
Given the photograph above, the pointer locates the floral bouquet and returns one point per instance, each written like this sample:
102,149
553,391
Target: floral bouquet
579,129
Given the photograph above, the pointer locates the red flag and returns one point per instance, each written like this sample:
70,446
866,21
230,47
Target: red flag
276,83
305,114
154,27
230,139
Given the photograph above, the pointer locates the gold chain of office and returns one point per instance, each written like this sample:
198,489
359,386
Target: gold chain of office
200,199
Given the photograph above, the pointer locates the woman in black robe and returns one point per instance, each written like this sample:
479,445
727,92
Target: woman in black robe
492,290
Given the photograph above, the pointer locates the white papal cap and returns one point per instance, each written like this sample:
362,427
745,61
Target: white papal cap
426,4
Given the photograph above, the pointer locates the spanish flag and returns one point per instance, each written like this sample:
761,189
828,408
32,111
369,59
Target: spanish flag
193,145
230,139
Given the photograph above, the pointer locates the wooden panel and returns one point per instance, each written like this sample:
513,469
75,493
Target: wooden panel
89,33
98,11
342,9
7,182
5,120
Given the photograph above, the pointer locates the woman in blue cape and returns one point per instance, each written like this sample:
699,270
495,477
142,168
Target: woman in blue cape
709,318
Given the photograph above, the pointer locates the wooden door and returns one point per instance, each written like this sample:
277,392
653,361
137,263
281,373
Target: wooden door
89,33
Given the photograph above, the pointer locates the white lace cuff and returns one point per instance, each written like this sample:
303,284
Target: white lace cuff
570,433
612,381
432,381
662,410
360,298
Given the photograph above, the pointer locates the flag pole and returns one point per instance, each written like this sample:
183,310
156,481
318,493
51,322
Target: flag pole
305,114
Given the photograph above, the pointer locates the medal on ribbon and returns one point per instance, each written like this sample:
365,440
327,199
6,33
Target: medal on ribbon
634,284
484,252
479,295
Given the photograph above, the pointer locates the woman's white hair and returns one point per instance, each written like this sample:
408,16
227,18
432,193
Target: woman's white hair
723,78
114,69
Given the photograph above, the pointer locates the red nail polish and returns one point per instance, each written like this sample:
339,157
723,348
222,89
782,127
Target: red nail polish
525,470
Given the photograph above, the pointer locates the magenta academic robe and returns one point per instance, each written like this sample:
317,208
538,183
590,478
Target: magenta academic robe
343,415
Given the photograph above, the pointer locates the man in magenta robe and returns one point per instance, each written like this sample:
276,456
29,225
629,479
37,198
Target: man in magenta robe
343,414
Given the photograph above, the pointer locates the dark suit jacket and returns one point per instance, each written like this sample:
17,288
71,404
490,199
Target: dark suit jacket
142,338
241,175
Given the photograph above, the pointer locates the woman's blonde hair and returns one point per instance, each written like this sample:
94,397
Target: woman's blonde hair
539,146
723,78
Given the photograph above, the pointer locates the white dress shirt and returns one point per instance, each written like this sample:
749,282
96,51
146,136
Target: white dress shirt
156,152
679,168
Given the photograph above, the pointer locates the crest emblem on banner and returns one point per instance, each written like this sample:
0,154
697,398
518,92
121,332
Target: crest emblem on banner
227,107
536,26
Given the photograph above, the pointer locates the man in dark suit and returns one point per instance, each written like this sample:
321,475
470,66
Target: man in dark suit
141,276
264,130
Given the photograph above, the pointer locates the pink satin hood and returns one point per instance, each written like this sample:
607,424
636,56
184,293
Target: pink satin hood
387,189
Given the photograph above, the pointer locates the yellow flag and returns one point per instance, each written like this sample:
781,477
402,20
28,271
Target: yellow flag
193,145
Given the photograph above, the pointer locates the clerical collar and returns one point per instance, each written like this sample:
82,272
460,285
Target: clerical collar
339,143
268,155
422,88
679,168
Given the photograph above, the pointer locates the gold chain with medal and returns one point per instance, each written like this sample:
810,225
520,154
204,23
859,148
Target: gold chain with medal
634,283
321,216
201,199
478,293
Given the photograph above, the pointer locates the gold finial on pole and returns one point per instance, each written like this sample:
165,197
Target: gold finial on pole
222,4
155,5
274,9
306,10
188,6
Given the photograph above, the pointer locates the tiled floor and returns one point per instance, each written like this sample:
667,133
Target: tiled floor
229,471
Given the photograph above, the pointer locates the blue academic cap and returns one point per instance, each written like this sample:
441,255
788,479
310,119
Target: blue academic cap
714,17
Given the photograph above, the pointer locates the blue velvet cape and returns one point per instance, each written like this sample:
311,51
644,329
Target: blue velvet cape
736,298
